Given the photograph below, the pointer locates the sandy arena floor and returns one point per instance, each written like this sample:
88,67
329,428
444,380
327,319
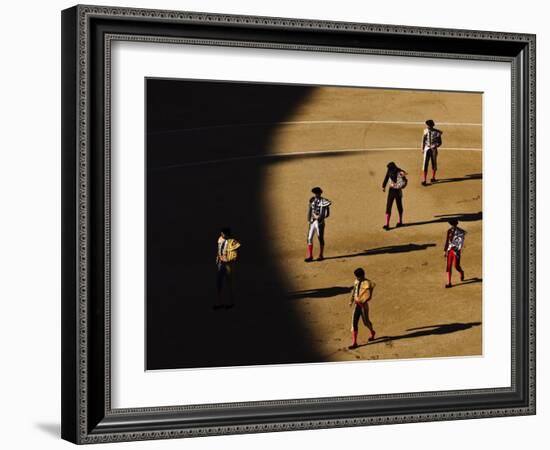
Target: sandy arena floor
341,141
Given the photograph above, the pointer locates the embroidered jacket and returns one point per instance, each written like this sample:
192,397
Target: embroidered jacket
362,290
318,209
431,139
455,239
227,250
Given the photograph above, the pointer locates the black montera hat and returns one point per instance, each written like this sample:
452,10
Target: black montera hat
453,222
317,190
430,123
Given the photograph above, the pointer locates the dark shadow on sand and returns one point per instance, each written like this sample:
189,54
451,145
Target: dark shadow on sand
403,248
431,330
189,200
469,281
320,293
472,176
464,217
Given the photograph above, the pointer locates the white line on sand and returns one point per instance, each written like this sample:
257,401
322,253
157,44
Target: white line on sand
319,152
318,122
389,122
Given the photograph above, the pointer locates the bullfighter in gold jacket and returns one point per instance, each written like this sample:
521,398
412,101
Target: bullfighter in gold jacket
226,257
360,296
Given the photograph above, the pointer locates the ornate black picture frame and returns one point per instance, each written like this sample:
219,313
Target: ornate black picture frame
87,34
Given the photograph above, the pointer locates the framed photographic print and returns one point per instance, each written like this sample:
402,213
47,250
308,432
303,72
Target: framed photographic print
267,222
